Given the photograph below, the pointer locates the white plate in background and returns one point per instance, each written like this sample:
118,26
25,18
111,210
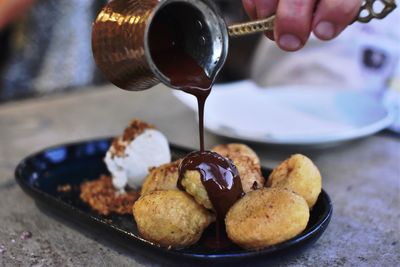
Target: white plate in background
293,115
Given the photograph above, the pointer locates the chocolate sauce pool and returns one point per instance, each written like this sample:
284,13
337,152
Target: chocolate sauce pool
218,174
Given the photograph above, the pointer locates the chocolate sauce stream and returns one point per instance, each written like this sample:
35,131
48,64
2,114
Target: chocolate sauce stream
196,84
167,41
201,100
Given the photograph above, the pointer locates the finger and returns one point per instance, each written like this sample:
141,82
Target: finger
333,16
264,9
293,23
260,9
250,8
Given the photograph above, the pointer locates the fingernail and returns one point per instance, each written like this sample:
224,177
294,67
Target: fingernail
289,42
325,30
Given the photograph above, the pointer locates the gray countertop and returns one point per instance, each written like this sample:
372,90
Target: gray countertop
362,178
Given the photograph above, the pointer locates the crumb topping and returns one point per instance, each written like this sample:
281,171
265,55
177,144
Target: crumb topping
101,196
172,167
135,128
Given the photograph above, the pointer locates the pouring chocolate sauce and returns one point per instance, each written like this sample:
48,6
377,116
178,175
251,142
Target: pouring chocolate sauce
185,73
218,174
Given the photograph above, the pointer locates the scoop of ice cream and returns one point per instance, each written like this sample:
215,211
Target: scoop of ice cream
131,155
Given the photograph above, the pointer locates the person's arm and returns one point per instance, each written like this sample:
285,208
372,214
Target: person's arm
296,19
10,9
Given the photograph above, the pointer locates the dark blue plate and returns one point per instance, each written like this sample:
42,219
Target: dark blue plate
39,176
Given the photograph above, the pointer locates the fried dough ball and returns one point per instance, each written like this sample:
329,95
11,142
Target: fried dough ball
250,173
300,175
228,150
246,162
164,177
193,185
266,217
170,218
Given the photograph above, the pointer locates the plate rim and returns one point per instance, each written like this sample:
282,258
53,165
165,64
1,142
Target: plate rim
41,196
343,136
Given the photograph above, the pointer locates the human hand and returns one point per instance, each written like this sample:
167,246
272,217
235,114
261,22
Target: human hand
296,19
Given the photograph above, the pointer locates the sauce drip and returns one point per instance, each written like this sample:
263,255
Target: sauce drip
218,175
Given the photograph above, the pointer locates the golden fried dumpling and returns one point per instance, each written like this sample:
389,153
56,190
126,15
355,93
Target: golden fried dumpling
228,150
247,163
300,175
266,217
164,177
170,218
250,173
191,182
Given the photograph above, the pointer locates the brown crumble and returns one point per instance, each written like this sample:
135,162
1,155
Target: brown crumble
101,196
135,128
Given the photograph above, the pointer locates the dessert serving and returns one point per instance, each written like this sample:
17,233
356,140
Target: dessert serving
180,199
177,201
184,45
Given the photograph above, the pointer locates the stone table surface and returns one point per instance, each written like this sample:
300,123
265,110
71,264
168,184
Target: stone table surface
362,178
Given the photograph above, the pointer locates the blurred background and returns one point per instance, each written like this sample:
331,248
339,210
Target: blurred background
45,46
